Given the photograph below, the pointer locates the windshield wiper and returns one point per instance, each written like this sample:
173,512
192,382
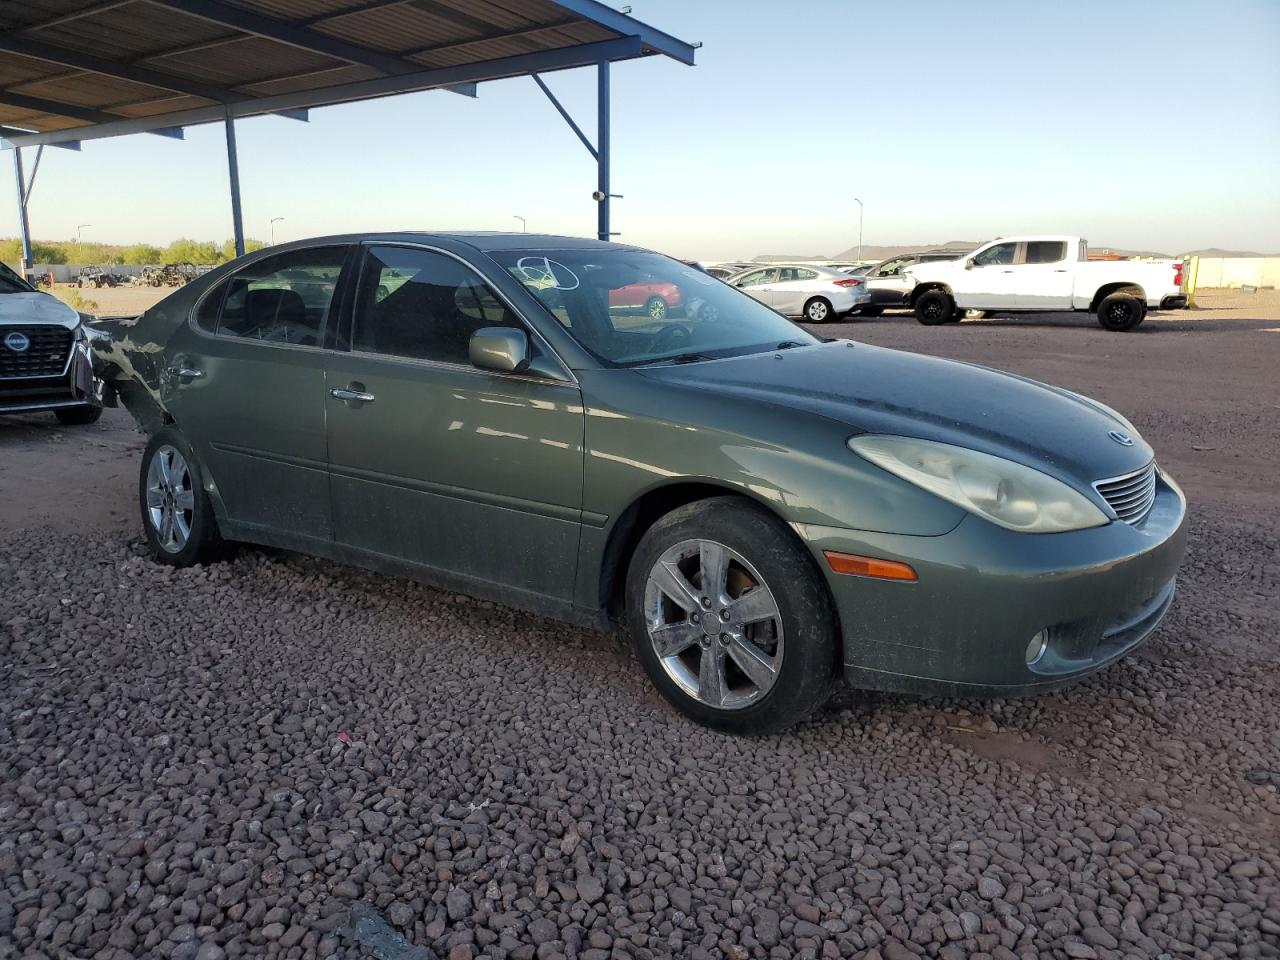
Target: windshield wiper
788,344
678,358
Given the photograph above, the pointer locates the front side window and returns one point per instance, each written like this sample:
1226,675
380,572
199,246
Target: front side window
282,299
422,305
704,318
757,277
893,267
1045,251
1000,254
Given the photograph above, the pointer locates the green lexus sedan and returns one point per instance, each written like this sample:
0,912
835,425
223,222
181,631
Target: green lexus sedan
765,510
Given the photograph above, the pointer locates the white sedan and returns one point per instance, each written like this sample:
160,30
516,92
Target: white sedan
813,293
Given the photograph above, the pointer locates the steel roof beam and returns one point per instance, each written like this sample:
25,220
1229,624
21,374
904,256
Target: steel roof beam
7,132
621,23
283,31
544,61
75,15
113,68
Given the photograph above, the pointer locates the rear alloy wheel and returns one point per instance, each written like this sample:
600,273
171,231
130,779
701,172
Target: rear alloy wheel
729,617
656,308
78,416
1120,312
177,516
818,310
934,307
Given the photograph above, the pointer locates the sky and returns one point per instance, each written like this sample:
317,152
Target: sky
1136,125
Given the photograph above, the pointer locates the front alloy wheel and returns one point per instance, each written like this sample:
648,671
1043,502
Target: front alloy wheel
714,624
656,308
177,515
730,616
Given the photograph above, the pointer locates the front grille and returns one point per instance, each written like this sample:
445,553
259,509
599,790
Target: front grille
1132,495
46,356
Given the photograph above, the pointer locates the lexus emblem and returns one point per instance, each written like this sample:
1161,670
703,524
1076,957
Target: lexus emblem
1121,438
17,342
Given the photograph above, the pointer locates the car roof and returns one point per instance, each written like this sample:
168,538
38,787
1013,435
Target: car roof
482,240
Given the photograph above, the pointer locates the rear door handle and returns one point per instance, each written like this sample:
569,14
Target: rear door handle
1060,271
185,373
347,395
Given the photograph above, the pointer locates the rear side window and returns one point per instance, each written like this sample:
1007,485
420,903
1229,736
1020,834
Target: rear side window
208,309
283,299
1045,251
788,274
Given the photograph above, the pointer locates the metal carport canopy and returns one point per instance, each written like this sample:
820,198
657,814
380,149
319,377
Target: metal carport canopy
76,70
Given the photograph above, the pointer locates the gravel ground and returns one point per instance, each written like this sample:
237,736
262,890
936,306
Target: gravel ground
225,761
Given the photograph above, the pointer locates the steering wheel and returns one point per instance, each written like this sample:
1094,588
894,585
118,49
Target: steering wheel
669,337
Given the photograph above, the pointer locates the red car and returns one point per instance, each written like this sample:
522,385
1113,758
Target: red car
654,298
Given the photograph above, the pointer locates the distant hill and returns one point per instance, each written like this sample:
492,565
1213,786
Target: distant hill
1219,252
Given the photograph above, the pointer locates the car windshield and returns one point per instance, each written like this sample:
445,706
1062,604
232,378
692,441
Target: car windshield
630,307
10,282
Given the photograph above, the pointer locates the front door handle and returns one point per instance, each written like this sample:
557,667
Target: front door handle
185,373
348,395
1060,271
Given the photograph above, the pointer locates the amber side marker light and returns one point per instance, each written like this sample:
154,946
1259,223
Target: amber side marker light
858,566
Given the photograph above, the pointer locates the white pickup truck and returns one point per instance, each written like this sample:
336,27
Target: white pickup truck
1045,273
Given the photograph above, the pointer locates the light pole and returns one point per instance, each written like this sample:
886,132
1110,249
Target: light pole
273,229
524,227
859,203
80,227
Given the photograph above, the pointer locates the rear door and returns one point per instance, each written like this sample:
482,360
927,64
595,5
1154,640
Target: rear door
435,462
793,287
1044,275
245,383
888,285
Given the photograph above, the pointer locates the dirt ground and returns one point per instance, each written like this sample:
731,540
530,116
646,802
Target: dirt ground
223,761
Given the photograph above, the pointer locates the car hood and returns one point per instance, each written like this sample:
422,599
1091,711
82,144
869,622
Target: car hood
877,390
27,308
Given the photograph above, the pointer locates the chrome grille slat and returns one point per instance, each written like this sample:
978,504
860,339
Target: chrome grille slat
46,356
1132,495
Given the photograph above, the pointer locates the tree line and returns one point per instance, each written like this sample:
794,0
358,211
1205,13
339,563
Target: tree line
183,250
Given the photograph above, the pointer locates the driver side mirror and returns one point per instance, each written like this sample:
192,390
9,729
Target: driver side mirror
500,349
970,263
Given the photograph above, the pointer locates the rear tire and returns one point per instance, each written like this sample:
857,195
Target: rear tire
819,310
177,515
78,416
934,307
656,308
1119,312
787,637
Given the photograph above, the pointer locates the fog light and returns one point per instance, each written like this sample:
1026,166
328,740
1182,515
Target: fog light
1036,648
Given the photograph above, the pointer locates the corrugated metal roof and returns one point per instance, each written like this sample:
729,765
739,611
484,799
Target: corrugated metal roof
87,63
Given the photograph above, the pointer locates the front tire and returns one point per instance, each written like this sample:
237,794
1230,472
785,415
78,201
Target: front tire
656,308
78,416
934,307
730,617
177,515
819,310
1120,312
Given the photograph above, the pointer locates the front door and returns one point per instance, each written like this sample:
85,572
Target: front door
245,383
991,282
435,462
759,283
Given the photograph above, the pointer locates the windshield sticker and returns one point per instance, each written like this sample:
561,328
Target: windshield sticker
546,274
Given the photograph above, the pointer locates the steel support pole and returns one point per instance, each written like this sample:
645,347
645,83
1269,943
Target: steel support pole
233,171
24,225
602,147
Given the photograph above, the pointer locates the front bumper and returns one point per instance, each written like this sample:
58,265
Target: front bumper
983,592
76,386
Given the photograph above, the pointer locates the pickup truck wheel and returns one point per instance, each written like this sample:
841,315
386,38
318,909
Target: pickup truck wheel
1120,312
934,307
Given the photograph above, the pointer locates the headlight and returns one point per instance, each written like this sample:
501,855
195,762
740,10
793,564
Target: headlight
1004,492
